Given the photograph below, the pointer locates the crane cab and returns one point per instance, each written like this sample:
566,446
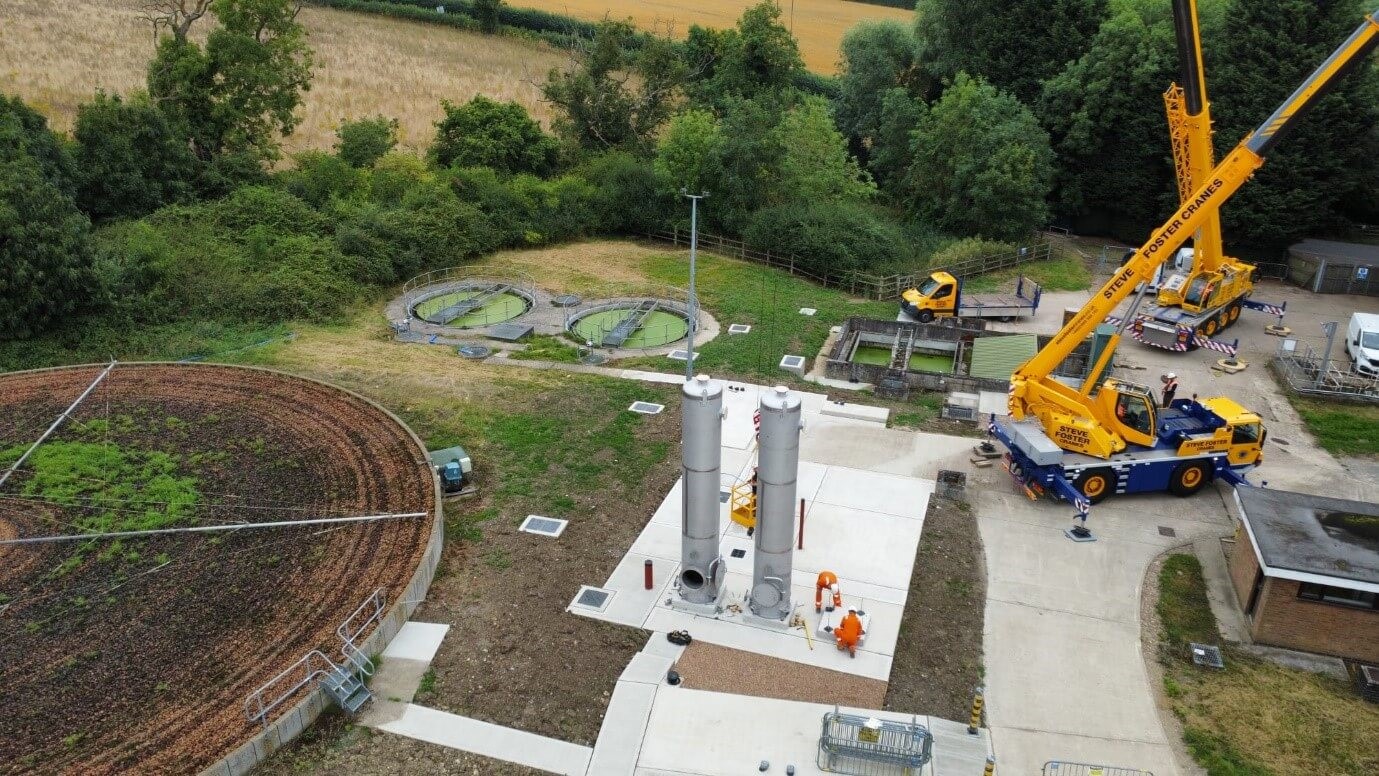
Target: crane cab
936,297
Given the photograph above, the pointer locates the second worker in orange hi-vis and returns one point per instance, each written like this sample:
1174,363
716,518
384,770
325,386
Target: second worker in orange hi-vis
849,632
827,581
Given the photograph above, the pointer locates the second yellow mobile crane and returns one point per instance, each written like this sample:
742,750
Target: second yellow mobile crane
1208,289
1084,442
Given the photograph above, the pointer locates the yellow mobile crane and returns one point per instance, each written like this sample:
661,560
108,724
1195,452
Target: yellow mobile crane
1205,290
1082,445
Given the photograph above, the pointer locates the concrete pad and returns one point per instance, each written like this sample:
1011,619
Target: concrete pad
624,725
393,686
416,641
887,494
993,403
647,668
502,743
653,377
864,546
857,412
631,600
1026,751
659,540
866,446
697,732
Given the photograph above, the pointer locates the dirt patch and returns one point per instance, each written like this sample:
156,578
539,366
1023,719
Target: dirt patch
938,658
336,746
722,669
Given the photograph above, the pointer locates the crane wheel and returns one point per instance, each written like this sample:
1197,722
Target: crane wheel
925,316
1209,328
1233,313
1189,478
1096,484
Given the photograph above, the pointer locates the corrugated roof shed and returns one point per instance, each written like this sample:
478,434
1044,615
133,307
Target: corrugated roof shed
998,357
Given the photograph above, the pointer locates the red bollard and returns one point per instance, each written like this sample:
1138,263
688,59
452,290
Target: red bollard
647,568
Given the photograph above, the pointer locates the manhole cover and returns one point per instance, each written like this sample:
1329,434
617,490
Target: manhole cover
593,359
545,526
1166,531
647,408
474,351
738,553
792,362
808,311
739,328
566,300
679,355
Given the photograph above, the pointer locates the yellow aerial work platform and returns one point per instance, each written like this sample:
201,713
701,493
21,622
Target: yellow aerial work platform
742,505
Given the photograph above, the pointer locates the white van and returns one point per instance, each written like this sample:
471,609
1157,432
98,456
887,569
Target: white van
1362,343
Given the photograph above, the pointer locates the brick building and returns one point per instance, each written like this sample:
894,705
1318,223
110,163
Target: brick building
1306,572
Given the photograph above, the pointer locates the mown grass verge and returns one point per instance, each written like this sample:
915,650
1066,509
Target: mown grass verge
1351,429
1254,718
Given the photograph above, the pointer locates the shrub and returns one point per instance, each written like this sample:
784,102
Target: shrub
827,239
967,250
128,160
319,177
485,133
628,195
261,206
362,142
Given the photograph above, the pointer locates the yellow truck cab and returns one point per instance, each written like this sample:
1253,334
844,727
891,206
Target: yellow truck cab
941,296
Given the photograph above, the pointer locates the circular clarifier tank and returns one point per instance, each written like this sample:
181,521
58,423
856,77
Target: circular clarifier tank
635,324
471,306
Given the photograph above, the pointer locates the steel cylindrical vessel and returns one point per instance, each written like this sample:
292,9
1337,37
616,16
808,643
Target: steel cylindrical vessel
702,452
777,471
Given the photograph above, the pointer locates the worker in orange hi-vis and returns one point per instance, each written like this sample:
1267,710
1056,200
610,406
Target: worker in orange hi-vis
827,581
849,632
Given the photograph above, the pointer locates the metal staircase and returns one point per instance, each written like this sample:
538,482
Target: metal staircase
466,306
346,688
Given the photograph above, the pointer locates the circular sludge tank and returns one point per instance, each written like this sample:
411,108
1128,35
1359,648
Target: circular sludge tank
634,324
457,298
139,654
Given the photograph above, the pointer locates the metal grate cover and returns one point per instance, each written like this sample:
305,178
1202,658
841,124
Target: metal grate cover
595,598
807,311
739,328
738,553
792,362
680,355
474,351
545,526
1166,531
646,408
567,300
1207,655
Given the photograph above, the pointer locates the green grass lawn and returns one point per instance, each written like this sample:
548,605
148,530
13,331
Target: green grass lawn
1066,273
766,299
1342,429
1255,718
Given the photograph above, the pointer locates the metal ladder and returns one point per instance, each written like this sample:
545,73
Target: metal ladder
902,348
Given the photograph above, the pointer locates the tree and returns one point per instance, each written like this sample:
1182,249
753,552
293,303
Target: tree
1264,53
241,92
877,56
1014,44
599,106
685,153
982,164
1114,169
362,142
759,55
816,164
486,12
24,131
889,157
485,133
129,161
45,253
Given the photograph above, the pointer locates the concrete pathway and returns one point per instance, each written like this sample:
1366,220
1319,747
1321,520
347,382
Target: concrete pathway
502,743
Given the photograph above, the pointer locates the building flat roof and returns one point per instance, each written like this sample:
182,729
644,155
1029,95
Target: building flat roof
1332,249
1298,536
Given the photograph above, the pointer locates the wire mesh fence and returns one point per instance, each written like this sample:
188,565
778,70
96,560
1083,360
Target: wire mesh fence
1061,768
1311,373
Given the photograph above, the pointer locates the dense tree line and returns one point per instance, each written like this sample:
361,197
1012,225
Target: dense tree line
977,121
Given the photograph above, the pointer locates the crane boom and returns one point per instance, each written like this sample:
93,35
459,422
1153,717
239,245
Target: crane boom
1033,391
1189,118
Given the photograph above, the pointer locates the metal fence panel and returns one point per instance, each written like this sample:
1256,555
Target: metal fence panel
856,745
1061,768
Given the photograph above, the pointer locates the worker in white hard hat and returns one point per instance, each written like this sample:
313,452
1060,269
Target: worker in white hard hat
1170,381
827,581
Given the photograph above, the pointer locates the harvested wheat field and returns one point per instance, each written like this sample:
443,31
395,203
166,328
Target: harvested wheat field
817,24
56,55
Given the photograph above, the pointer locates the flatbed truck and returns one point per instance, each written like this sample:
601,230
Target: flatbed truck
941,296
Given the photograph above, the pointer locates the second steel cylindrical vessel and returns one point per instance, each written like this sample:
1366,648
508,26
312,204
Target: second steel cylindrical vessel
777,472
701,566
